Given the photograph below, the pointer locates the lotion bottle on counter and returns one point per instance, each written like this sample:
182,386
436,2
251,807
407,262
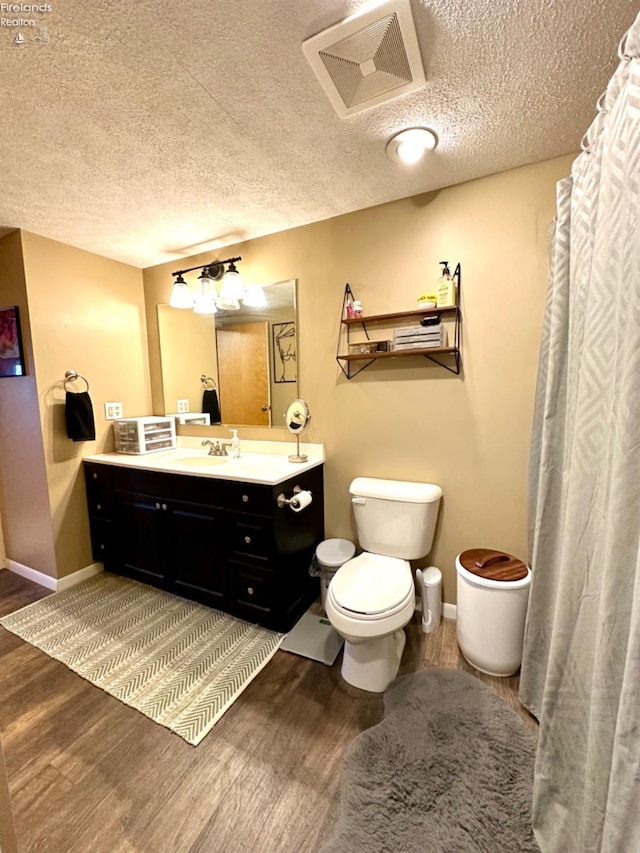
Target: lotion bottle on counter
446,288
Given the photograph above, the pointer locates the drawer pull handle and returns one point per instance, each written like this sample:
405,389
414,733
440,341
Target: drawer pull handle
157,506
245,499
98,507
247,539
250,590
102,546
164,506
94,475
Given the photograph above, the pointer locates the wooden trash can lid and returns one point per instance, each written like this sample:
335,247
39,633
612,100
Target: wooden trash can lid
493,565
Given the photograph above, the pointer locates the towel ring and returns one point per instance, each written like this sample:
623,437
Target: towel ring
73,376
205,379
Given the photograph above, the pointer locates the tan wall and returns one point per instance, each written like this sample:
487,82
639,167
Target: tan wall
87,313
24,496
408,419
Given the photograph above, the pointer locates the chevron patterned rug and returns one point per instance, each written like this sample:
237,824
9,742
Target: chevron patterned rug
180,663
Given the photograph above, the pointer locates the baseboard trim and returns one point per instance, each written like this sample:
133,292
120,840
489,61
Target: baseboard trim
81,575
55,584
449,611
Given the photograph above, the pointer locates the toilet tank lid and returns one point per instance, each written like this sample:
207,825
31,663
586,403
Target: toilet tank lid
395,490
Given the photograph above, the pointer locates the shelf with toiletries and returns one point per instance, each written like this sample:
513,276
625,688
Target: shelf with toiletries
429,339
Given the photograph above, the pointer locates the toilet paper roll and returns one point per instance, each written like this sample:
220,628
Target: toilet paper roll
300,501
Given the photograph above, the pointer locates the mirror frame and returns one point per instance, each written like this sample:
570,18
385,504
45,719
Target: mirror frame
292,412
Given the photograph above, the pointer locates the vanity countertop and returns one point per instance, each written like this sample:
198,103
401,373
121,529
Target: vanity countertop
263,462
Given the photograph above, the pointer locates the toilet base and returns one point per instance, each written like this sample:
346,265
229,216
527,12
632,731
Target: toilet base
373,664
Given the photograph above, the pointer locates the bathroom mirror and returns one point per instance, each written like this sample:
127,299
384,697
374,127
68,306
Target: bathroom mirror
248,358
297,419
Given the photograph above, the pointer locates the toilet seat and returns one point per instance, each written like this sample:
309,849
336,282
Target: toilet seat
372,587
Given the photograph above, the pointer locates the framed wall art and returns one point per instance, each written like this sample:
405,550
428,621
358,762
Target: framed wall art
284,352
11,352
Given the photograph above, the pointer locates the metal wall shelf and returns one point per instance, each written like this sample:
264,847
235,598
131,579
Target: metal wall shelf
451,354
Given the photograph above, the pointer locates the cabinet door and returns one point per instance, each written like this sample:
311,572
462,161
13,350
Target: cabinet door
140,535
197,551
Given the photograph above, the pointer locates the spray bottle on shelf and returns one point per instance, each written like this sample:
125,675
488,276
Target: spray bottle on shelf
446,288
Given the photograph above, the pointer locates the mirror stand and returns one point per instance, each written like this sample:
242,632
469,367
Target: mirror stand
297,456
297,419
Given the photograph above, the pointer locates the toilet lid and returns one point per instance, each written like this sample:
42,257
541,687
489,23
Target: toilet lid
372,584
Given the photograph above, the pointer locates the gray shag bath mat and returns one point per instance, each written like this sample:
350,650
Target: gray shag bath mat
448,770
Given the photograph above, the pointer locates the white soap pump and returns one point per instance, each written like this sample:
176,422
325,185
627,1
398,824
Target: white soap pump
235,444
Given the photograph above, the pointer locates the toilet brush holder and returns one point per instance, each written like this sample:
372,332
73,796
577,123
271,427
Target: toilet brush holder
430,584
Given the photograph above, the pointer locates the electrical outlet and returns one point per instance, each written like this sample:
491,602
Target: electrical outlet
112,411
183,406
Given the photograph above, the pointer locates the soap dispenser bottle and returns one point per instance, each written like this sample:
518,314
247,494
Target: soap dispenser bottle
446,288
235,444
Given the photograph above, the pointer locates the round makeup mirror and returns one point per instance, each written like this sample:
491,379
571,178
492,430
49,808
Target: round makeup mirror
297,419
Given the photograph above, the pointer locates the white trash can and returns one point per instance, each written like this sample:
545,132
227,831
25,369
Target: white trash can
330,555
493,593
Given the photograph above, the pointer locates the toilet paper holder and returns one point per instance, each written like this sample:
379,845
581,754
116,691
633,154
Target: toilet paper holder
283,501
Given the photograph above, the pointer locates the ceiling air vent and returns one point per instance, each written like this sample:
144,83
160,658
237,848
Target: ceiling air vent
368,59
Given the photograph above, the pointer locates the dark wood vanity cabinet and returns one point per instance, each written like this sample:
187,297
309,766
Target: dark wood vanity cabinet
221,542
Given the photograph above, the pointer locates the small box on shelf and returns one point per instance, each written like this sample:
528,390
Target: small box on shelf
368,347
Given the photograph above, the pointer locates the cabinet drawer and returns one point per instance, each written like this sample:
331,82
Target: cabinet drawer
101,539
98,475
100,502
249,497
249,538
252,588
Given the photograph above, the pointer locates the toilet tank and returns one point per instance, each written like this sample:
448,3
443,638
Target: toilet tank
395,518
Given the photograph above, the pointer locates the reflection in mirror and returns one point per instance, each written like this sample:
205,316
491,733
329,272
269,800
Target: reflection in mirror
248,359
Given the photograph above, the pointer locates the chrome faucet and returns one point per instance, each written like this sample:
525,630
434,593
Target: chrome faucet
217,447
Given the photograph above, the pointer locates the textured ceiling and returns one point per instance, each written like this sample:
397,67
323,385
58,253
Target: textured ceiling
143,130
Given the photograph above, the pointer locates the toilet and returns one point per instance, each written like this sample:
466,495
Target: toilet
372,596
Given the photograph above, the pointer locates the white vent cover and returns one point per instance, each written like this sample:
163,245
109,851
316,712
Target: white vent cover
368,58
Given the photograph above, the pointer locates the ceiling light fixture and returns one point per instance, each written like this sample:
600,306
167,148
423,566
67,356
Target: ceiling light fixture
409,146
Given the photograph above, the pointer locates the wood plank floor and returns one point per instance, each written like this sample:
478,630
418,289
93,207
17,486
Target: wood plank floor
87,773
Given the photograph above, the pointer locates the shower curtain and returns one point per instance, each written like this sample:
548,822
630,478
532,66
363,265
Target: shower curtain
581,663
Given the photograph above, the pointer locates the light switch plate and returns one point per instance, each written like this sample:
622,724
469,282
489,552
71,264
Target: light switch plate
183,406
112,411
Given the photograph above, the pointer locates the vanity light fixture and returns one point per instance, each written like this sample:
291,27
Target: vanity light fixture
180,295
254,297
206,300
409,146
232,290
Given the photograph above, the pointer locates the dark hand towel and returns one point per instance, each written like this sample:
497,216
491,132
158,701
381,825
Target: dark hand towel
79,415
210,404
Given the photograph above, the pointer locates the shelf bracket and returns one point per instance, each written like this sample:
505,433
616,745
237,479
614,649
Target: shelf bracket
456,356
349,294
